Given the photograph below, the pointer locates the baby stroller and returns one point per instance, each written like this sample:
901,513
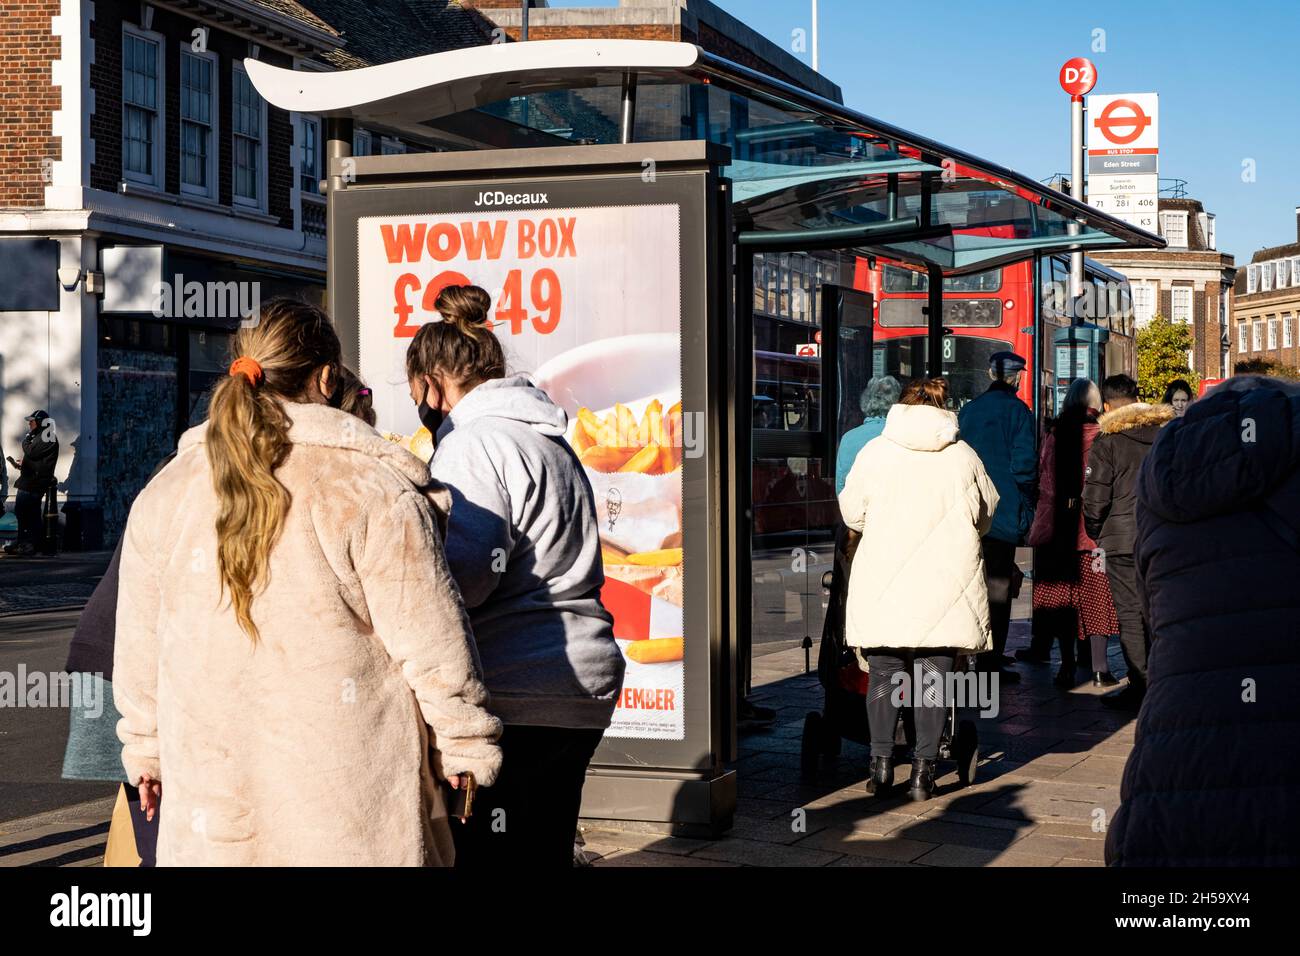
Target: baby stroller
845,681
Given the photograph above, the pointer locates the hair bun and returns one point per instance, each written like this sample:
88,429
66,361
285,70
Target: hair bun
465,306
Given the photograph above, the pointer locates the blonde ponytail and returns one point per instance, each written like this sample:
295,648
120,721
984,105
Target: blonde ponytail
248,439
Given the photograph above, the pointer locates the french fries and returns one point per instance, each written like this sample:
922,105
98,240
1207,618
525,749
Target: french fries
620,443
657,650
665,557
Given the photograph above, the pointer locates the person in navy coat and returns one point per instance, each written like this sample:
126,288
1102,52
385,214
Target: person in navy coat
1000,427
1212,780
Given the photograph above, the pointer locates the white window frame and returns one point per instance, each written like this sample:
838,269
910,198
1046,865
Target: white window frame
1252,279
305,120
1273,327
1175,293
1144,302
1210,240
359,136
1266,277
1281,270
158,179
214,124
262,179
1288,331
1295,271
1257,335
1179,217
1243,336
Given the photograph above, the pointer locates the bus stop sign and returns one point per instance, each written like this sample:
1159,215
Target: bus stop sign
1078,76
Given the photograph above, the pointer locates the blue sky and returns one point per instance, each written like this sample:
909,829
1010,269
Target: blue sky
983,77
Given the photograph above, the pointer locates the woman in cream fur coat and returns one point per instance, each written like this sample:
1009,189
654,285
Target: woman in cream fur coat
921,500
294,664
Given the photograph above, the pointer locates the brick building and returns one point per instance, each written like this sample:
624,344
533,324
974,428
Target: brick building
135,160
148,195
1190,281
1266,306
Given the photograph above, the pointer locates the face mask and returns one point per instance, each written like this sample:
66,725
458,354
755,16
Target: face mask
430,418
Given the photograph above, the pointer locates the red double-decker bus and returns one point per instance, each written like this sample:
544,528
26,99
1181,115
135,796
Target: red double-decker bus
1003,309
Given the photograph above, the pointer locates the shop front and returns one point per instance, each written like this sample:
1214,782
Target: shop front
164,329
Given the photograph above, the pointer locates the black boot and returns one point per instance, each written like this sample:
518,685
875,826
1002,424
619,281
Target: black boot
1103,679
920,786
881,780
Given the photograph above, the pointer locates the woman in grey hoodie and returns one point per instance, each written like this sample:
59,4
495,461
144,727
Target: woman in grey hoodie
523,545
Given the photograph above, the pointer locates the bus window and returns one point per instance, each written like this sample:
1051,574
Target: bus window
1101,293
965,362
899,279
1055,287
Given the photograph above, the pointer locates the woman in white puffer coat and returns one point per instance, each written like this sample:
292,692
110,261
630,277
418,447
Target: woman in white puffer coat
921,500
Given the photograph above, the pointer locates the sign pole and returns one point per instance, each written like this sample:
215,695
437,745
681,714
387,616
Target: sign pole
1078,77
1076,191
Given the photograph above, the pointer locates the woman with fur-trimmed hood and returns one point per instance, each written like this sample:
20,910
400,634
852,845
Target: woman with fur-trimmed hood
1128,429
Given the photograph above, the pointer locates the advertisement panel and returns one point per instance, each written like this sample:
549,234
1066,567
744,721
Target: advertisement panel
587,300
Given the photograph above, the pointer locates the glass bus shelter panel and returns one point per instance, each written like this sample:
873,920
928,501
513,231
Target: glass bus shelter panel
795,434
796,169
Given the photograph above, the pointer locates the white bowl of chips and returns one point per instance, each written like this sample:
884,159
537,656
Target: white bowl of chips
631,369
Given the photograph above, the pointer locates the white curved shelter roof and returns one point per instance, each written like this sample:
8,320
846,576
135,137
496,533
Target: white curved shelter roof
798,160
443,83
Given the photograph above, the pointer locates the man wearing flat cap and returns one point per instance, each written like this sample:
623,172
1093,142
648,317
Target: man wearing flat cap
1000,427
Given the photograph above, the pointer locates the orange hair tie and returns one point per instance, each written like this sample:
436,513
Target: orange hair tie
248,368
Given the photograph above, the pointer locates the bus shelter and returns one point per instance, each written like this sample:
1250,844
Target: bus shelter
616,198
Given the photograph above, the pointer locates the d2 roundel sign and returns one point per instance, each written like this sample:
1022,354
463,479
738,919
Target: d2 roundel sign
1078,76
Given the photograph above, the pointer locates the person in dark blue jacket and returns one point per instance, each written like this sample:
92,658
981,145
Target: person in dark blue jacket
1000,427
1209,781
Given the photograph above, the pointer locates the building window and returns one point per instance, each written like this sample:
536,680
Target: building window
1144,302
1243,345
391,147
1295,271
1180,302
309,156
1257,335
1252,280
1209,231
1282,270
248,113
361,142
1288,331
142,98
198,118
1272,332
1266,277
1174,227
